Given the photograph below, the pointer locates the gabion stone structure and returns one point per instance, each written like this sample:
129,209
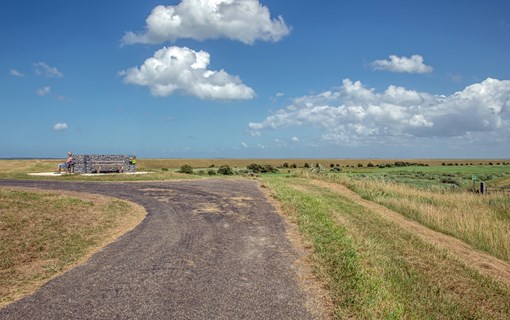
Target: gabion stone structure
95,163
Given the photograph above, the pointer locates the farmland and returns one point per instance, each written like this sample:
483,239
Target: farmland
386,238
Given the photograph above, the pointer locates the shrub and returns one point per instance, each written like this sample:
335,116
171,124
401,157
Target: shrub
186,168
294,166
225,170
202,172
307,165
266,168
211,172
451,181
256,168
164,169
331,165
285,165
370,165
336,169
318,168
360,165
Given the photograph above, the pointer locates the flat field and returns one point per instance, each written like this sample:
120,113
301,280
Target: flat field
388,239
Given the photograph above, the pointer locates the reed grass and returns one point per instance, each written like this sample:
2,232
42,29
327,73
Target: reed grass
483,221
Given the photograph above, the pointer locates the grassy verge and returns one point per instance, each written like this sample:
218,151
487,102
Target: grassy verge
43,234
483,221
374,269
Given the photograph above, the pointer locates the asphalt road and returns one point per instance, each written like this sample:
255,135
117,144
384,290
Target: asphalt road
208,249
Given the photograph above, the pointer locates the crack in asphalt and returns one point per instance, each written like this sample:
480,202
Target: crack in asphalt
207,249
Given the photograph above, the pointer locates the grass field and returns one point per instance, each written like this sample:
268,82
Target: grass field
375,269
372,267
44,233
481,221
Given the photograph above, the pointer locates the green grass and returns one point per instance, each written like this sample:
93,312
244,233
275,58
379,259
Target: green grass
374,269
439,178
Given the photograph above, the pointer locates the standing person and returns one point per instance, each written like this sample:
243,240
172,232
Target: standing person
66,165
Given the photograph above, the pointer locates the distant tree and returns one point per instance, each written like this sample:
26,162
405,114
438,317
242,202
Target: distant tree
331,165
370,165
360,165
307,165
294,166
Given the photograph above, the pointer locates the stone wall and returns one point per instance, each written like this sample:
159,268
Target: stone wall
84,163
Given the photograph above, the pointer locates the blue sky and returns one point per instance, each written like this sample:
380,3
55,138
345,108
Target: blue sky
250,78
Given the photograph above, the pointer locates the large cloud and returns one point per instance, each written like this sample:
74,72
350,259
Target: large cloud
242,20
355,114
182,69
414,64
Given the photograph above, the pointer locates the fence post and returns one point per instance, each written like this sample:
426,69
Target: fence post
483,187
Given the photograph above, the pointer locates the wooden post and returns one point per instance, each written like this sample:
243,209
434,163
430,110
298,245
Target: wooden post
483,187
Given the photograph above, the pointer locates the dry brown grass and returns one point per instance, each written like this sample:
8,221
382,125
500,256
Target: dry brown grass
45,233
483,221
15,166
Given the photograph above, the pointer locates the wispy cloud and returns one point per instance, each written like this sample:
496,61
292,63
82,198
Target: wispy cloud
414,64
180,69
42,69
16,73
241,20
61,126
43,91
454,77
244,144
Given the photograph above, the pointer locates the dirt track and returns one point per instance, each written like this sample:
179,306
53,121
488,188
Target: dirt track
481,261
208,249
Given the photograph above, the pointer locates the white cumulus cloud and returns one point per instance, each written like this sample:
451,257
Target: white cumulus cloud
180,69
42,69
244,144
61,126
242,20
44,91
355,114
414,64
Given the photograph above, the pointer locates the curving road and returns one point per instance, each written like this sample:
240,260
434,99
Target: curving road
208,249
